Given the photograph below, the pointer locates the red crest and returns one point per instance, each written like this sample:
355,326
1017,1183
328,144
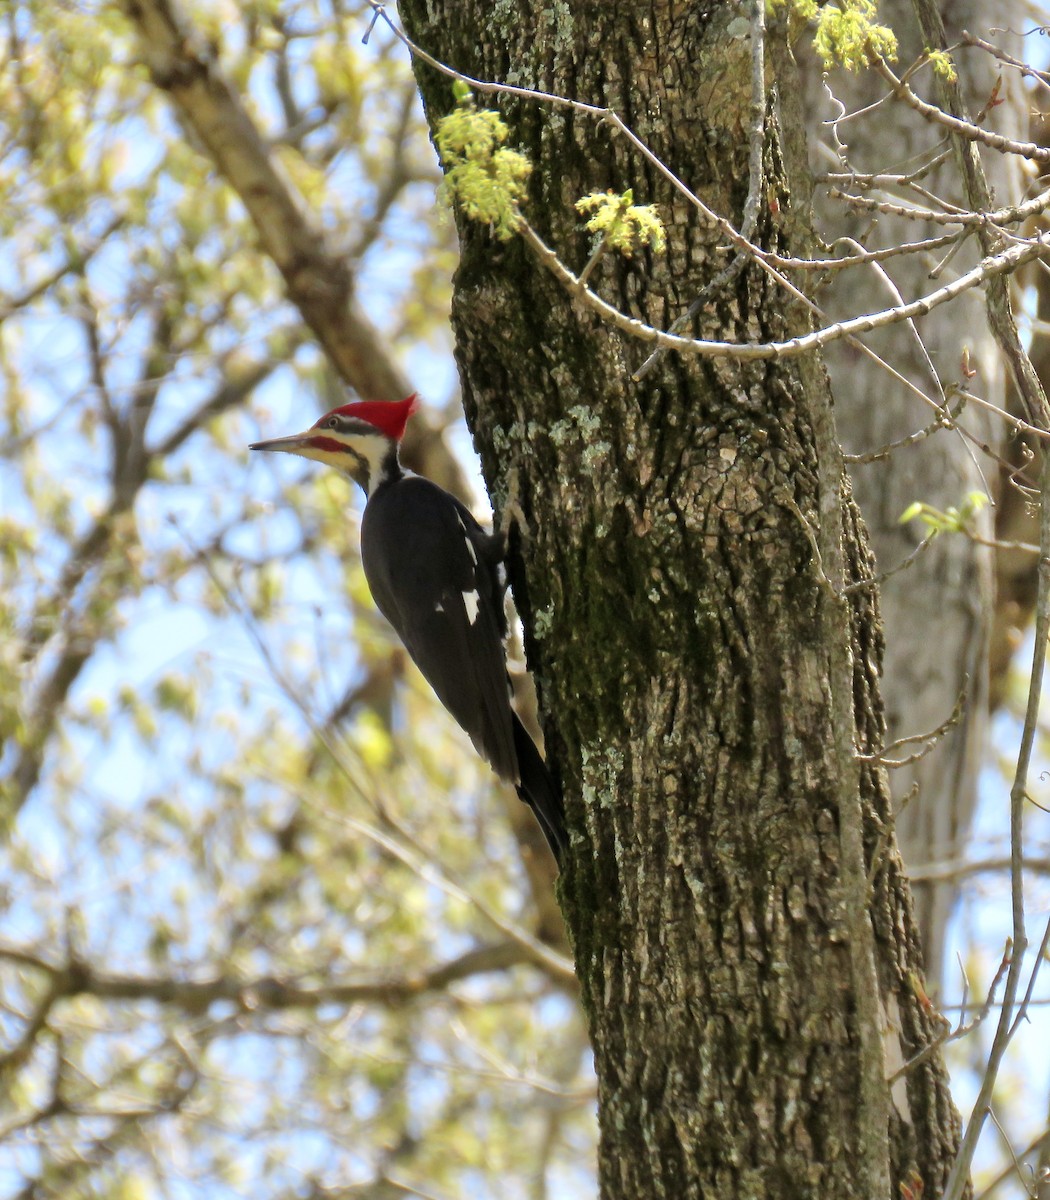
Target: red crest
388,416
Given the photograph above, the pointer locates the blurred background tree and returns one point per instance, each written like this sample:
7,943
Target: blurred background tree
217,771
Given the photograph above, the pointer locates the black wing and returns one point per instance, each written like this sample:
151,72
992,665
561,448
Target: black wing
433,573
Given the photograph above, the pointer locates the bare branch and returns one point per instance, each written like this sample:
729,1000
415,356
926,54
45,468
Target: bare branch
1035,1146
319,281
866,256
999,264
961,868
959,127
985,218
396,178
195,996
15,1058
942,422
928,740
1029,72
958,1181
57,616
961,1030
862,585
603,115
1033,397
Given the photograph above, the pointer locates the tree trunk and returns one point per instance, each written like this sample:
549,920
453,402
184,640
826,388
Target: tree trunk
741,927
937,613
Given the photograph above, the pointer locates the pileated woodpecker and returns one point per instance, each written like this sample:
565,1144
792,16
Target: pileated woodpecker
434,573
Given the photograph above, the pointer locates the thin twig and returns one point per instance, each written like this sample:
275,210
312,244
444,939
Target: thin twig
1012,214
605,116
929,740
862,585
957,125
196,995
1006,1025
1036,1145
1022,1009
1006,1142
942,422
884,178
84,253
942,872
961,1030
1033,397
637,328
900,249
1027,71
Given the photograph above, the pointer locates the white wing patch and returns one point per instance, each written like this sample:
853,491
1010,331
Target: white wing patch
470,545
471,602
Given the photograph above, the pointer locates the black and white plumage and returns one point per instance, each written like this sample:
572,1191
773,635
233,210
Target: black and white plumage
435,575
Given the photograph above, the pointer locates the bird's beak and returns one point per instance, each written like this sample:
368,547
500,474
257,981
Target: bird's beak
294,443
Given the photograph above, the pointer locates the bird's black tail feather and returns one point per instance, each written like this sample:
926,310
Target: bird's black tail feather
539,791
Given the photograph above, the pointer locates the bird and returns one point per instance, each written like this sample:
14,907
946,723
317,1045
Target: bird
436,575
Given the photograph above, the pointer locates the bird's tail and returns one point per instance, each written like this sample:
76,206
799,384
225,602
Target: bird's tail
537,788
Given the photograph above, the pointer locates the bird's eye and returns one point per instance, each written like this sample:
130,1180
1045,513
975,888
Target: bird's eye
333,422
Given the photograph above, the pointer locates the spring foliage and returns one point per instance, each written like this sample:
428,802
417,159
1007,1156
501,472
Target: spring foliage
482,176
620,223
847,34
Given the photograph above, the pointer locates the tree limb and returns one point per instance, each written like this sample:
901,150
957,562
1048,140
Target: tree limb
320,282
195,996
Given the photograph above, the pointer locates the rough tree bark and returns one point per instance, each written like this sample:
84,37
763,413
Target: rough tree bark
741,926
